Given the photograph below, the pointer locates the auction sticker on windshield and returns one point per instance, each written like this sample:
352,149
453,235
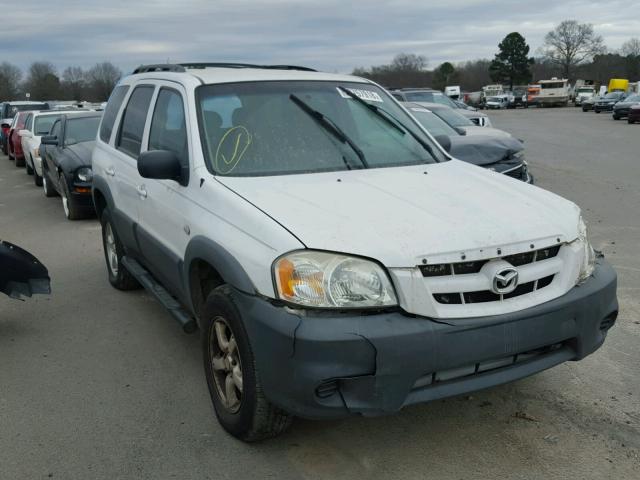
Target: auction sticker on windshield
362,94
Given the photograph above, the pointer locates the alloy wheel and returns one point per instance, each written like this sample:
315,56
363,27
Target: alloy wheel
226,364
112,252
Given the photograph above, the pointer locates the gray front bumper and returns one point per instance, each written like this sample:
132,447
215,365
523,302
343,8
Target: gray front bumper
322,365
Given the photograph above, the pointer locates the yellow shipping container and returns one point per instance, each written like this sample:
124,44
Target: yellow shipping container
618,84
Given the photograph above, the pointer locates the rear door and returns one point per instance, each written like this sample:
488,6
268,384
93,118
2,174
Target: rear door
164,228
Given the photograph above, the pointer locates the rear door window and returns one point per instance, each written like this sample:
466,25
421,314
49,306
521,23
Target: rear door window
133,121
110,113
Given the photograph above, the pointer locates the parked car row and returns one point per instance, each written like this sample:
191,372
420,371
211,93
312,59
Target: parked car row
620,104
326,240
55,147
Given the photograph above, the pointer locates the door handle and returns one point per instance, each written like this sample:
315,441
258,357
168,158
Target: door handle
142,191
110,171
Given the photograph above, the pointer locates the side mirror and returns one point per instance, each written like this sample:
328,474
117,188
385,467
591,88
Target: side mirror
444,141
25,133
49,140
161,165
5,125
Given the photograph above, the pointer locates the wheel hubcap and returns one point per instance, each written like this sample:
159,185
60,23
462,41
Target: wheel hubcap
65,204
226,364
112,253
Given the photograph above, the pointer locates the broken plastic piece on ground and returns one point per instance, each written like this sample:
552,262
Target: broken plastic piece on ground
21,274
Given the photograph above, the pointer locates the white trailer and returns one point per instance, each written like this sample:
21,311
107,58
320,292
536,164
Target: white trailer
554,92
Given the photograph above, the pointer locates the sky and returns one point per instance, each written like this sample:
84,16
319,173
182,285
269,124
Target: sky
329,35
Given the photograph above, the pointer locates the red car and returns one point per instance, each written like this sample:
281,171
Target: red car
15,142
634,114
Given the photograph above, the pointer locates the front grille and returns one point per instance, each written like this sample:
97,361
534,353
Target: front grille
518,173
442,269
484,296
434,378
453,283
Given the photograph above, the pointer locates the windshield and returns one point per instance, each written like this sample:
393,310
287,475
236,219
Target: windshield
288,127
633,98
585,90
430,97
613,95
432,123
43,124
453,118
84,129
546,86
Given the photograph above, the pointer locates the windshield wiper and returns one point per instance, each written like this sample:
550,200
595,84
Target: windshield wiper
391,120
329,126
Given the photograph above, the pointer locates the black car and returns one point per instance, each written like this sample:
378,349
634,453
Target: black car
66,161
606,103
502,154
621,109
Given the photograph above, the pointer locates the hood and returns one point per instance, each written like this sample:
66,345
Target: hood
80,155
484,150
471,113
624,104
475,130
401,215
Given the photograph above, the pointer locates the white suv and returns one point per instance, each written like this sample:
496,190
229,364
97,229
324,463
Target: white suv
335,258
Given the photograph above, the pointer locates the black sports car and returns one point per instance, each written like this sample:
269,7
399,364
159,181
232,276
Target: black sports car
66,161
500,153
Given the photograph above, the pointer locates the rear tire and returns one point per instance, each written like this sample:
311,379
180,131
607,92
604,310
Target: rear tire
629,121
119,276
232,376
29,166
37,179
20,162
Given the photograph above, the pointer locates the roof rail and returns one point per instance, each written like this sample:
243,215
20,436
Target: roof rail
200,65
182,67
159,67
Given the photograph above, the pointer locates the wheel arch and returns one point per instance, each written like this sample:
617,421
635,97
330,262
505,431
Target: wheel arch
101,196
207,265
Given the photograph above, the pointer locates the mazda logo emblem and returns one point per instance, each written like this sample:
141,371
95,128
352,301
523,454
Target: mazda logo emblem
505,281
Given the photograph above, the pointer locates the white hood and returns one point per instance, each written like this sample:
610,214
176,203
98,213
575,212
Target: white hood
401,215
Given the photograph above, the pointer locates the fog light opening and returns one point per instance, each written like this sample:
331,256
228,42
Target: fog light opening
608,321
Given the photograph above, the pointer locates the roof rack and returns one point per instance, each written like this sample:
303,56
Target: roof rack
182,67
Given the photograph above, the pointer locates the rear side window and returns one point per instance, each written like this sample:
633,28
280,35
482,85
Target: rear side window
133,120
43,124
110,113
168,128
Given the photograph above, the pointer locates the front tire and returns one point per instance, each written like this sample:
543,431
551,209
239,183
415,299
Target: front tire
69,204
233,379
119,276
630,121
48,189
20,162
37,179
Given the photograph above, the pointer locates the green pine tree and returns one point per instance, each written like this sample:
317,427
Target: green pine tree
512,64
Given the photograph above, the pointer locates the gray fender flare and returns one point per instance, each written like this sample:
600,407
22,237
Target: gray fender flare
221,260
101,185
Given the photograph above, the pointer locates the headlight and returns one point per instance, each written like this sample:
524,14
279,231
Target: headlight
588,256
329,280
518,155
84,174
487,122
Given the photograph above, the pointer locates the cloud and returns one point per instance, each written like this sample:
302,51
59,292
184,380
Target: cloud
331,35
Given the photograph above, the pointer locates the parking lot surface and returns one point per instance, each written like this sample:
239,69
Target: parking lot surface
99,383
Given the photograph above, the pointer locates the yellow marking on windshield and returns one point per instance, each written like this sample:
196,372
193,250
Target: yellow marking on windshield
238,139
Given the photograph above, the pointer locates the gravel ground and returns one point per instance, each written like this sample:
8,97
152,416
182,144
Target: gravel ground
96,383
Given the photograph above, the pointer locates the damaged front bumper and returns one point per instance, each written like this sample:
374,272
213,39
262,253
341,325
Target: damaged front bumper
323,365
21,274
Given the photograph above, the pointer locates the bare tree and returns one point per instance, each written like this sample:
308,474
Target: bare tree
73,83
631,48
571,44
42,81
10,77
409,62
405,70
102,78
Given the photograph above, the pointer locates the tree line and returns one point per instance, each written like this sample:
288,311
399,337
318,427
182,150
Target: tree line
571,50
42,82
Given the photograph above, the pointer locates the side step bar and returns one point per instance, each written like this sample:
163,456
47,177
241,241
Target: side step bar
188,323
